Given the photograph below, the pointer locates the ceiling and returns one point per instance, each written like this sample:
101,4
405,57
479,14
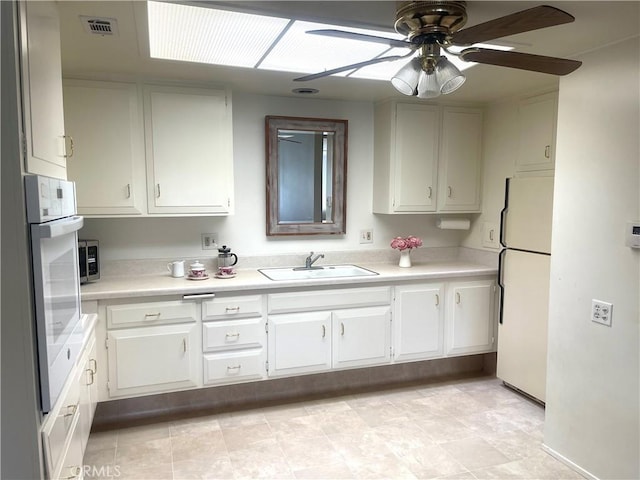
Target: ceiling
125,56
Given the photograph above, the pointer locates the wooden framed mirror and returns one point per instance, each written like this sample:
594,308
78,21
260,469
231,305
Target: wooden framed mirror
306,176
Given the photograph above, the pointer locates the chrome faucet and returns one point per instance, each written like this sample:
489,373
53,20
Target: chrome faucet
311,259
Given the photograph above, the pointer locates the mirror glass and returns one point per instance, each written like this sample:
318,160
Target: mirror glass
306,171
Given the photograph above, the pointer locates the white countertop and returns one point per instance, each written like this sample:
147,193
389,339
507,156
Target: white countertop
252,280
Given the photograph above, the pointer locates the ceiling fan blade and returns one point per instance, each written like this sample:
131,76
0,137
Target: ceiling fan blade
391,42
531,19
522,61
353,66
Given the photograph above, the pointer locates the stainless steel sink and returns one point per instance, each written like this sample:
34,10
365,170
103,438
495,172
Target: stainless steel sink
328,271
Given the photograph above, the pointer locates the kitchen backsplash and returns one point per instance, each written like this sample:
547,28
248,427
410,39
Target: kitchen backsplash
158,266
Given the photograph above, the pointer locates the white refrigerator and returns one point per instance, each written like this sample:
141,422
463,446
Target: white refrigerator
525,234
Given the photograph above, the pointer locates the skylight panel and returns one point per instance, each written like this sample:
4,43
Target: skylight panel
302,52
205,35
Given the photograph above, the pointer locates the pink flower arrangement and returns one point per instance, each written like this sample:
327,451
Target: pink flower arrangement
409,242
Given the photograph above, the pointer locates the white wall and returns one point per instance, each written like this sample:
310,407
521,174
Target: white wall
499,146
593,380
244,232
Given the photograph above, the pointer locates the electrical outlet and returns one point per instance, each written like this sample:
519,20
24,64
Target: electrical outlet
366,236
601,312
209,241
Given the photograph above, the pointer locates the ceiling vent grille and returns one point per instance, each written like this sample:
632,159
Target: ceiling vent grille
100,25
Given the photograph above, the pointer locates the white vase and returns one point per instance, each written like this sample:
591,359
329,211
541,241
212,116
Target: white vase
405,258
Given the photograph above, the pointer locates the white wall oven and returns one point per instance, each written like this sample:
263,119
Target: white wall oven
51,210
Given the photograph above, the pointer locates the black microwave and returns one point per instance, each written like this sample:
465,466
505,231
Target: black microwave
89,260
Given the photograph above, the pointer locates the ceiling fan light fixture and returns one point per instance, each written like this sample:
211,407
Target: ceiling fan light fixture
448,76
428,86
406,79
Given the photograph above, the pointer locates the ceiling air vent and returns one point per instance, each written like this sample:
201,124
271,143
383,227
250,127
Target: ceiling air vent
100,26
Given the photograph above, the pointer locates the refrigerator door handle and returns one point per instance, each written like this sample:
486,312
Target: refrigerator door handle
501,258
503,215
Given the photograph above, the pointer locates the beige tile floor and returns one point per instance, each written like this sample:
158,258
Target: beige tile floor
471,429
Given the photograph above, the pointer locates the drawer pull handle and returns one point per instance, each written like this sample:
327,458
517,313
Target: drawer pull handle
547,151
324,331
128,190
232,309
235,335
75,472
430,192
158,188
449,192
437,300
94,362
184,345
342,329
457,297
71,410
149,315
91,373
237,367
70,154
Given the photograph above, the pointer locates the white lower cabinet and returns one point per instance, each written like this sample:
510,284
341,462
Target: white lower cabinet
234,339
65,429
153,359
361,337
299,343
329,329
470,326
418,327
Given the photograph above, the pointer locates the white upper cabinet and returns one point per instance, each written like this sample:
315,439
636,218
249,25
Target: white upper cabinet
537,126
460,160
406,158
45,147
427,159
144,150
188,137
108,165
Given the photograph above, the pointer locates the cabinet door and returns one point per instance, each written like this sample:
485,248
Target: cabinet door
361,336
417,129
537,126
460,160
87,383
189,150
418,326
152,359
42,89
299,343
470,319
105,120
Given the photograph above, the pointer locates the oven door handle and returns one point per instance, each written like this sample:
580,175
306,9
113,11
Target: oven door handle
58,228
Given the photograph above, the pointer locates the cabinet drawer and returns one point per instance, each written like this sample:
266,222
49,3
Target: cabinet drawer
227,334
329,299
71,463
234,366
59,423
232,307
152,313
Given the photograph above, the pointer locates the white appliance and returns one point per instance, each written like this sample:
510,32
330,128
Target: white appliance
51,209
525,234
